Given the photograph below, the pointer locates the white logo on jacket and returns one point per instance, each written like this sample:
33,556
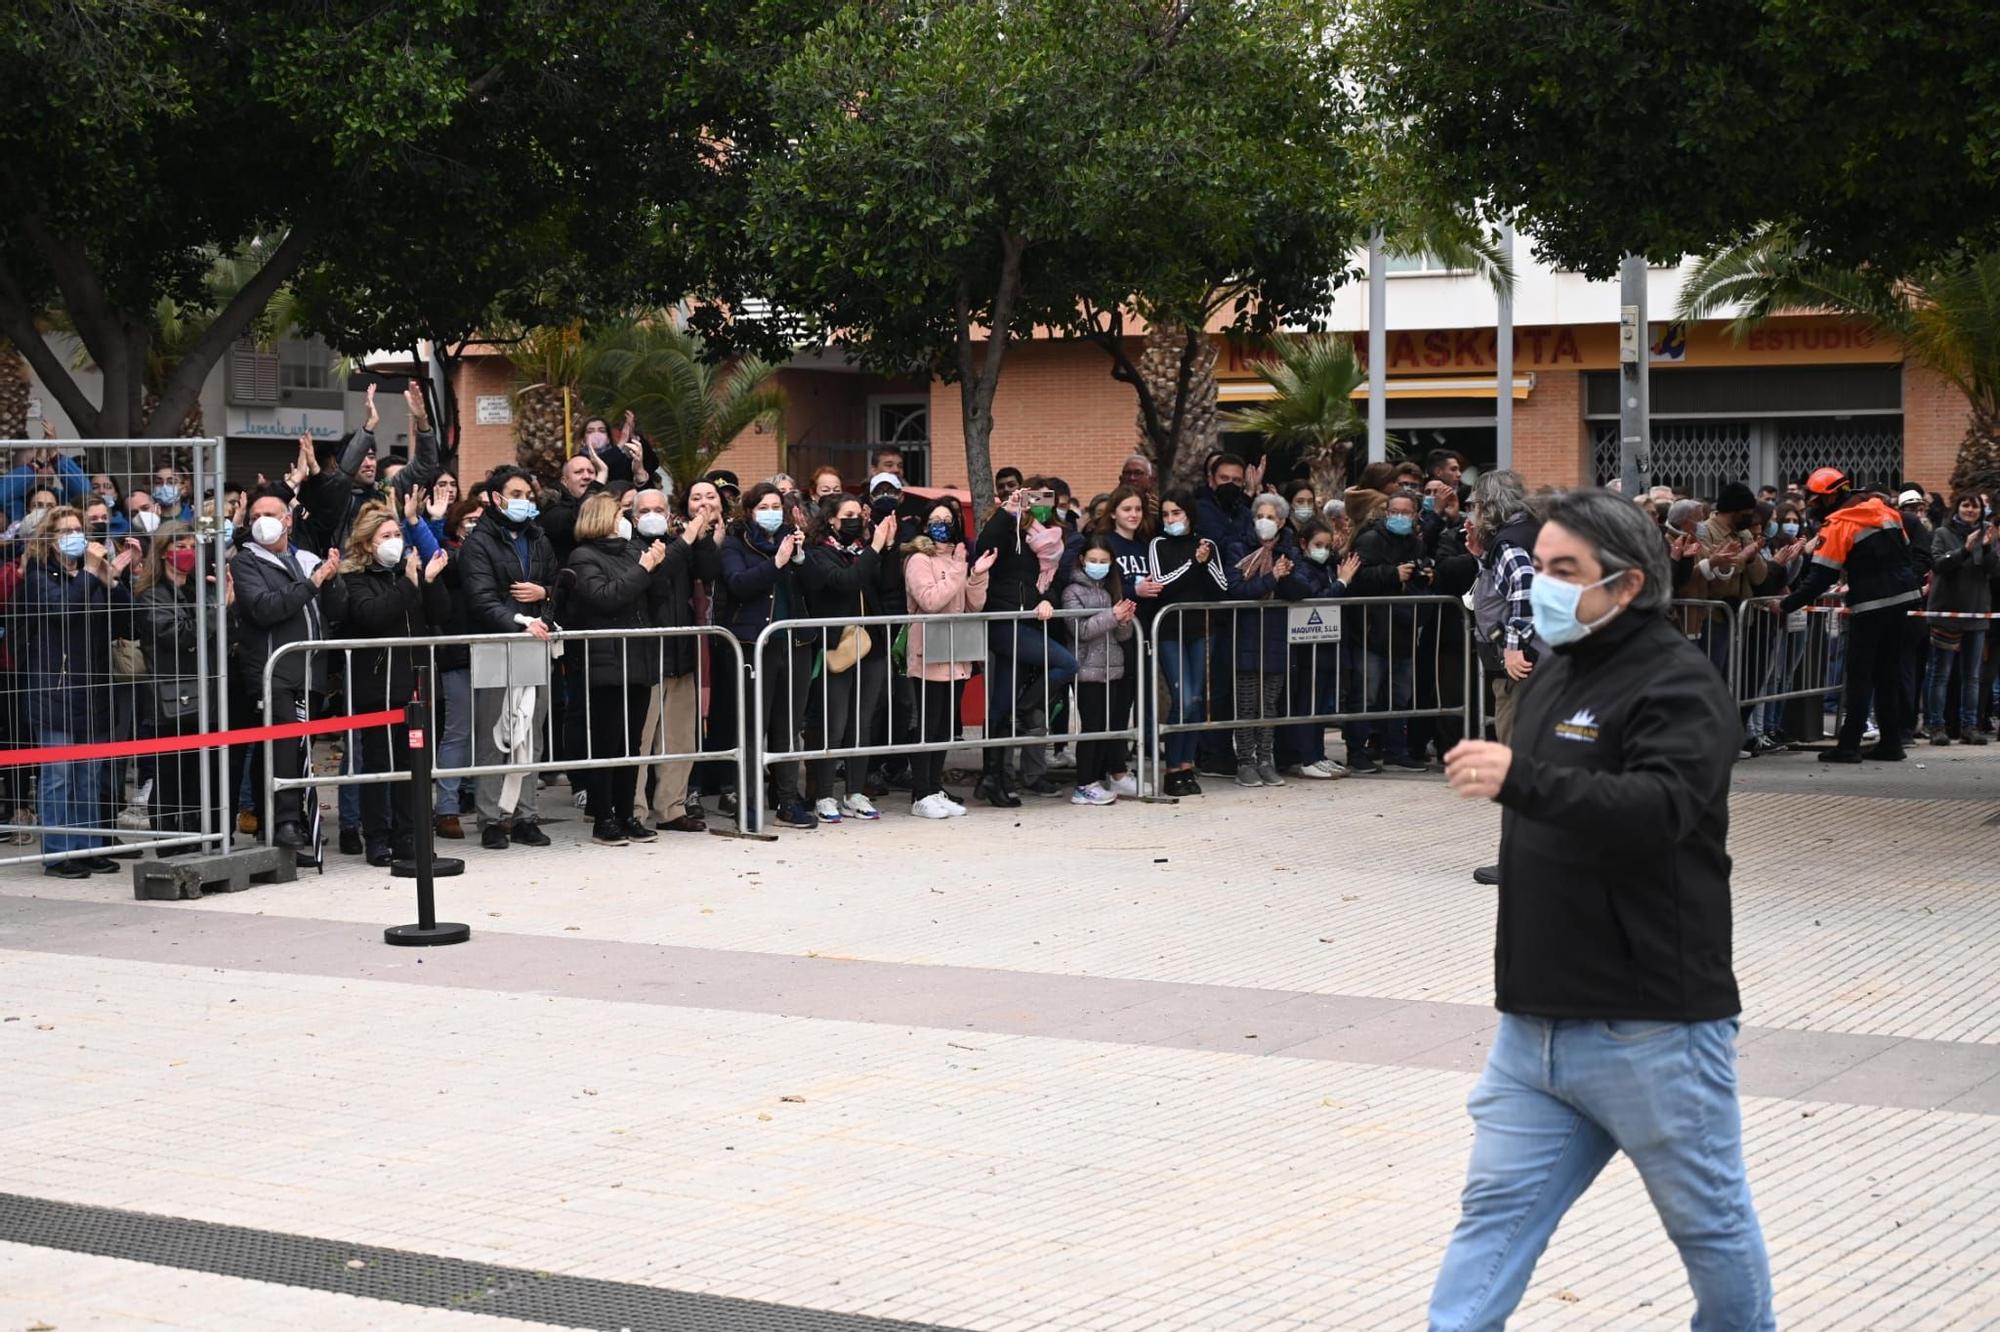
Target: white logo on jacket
1581,727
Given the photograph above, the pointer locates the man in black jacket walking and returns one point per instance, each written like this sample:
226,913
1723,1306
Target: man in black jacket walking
1618,1005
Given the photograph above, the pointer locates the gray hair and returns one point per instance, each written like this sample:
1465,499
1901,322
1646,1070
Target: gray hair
1680,511
1621,537
1139,458
1277,504
1498,498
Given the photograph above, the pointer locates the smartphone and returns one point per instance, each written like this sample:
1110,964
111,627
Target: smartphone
361,379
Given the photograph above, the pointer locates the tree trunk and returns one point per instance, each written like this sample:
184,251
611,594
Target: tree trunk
1329,468
538,430
979,372
1977,471
1180,451
14,393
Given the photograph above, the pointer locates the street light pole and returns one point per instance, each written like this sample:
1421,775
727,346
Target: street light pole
1503,364
1635,437
1378,351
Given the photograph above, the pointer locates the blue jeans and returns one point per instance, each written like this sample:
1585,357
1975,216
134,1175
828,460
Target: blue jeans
72,796
1971,645
1556,1100
1183,661
1387,684
454,737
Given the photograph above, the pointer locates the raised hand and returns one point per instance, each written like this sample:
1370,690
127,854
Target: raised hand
374,414
885,532
1349,567
413,500
413,396
787,548
328,567
440,561
653,555
985,561
410,570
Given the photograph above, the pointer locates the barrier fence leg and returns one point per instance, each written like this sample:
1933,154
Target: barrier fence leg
424,865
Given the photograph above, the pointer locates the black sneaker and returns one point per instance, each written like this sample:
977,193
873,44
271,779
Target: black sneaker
494,837
636,831
795,814
350,842
725,805
288,835
1363,764
1044,788
608,832
1406,762
1885,754
65,869
1840,756
529,833
381,857
1488,875
1189,786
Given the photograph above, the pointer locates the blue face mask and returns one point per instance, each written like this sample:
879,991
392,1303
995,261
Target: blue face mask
939,532
1430,503
1176,529
72,545
228,532
1399,524
1554,603
769,519
167,497
522,511
1096,572
1789,529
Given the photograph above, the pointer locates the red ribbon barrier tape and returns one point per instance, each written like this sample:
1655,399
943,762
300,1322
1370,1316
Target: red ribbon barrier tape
14,758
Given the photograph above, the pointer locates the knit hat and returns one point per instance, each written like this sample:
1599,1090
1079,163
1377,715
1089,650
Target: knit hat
1735,498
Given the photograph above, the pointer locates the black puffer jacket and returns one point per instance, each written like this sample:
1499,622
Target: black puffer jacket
490,565
607,588
384,603
1382,552
1614,861
845,585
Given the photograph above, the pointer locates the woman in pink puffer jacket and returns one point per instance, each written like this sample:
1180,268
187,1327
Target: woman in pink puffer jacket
938,582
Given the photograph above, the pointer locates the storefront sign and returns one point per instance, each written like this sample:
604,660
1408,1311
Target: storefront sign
1805,340
494,409
1311,624
284,422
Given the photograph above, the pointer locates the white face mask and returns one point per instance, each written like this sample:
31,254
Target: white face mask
1267,528
267,531
624,530
146,520
388,552
652,524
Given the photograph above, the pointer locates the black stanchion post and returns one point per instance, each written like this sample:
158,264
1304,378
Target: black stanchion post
424,865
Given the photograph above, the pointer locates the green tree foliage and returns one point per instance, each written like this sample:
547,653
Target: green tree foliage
1313,380
1865,126
412,171
954,168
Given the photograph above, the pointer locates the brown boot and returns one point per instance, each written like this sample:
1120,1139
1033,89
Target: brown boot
448,826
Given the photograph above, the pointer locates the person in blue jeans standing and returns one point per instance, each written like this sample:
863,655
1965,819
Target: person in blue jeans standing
1618,1004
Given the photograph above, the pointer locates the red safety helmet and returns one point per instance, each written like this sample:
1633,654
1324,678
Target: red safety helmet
1828,481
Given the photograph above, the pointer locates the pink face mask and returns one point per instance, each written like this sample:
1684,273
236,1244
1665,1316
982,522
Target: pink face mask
182,560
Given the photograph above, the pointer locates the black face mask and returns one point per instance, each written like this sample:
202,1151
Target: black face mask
1230,496
882,506
851,529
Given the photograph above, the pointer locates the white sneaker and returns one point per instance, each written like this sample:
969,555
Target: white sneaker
957,810
1124,784
1872,734
581,800
828,810
1307,771
935,807
1094,794
858,806
1329,769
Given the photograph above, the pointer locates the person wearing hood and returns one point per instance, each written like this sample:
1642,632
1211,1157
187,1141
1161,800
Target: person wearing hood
1964,563
1619,1006
508,571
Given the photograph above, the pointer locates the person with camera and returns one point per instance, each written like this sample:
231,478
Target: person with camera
1393,564
609,584
389,592
843,576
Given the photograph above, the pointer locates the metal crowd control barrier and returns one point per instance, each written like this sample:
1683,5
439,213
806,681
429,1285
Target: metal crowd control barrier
1013,647
1787,657
520,668
1345,661
116,646
1711,626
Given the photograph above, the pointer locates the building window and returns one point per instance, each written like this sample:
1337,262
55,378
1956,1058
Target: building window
305,363
1420,264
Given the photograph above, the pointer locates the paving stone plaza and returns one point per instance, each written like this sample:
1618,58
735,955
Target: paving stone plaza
1195,1066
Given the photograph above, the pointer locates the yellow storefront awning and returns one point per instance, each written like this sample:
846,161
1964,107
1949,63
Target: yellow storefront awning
1447,386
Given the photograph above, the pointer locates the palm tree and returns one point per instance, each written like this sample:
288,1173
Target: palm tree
14,392
1313,383
690,408
548,359
1946,316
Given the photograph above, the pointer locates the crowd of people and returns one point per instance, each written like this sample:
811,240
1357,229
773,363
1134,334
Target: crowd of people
354,544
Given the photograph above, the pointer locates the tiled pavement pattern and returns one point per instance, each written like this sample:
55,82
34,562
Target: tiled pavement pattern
984,1179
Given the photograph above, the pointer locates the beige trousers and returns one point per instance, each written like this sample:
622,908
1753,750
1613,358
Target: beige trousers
678,699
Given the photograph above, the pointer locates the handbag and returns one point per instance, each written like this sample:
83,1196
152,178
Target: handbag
175,700
128,659
854,644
